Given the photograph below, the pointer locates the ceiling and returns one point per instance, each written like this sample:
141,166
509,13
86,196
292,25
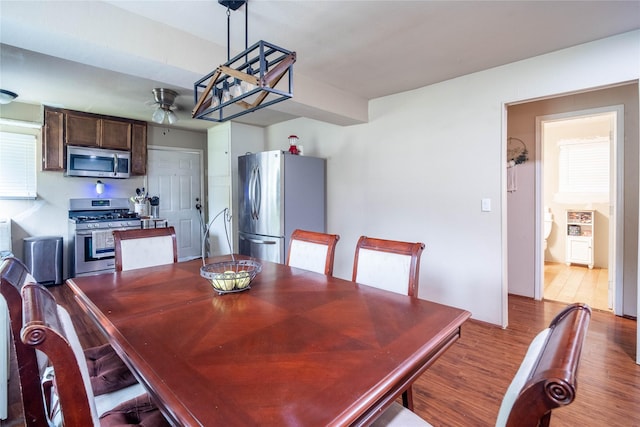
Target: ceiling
106,56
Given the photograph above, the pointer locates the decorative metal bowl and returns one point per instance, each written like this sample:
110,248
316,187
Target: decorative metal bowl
231,276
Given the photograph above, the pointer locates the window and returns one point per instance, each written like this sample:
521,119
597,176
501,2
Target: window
584,167
17,166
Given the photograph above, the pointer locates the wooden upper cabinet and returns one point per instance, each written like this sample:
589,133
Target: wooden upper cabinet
115,134
52,141
66,127
90,130
82,129
139,148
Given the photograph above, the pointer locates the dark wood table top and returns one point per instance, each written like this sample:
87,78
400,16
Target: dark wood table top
298,348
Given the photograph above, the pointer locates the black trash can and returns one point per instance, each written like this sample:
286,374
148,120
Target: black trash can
43,258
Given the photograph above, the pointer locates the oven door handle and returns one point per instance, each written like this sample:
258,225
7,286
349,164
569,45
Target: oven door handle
104,249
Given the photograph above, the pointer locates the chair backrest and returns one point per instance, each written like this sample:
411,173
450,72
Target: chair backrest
145,247
47,327
311,250
388,264
547,377
13,276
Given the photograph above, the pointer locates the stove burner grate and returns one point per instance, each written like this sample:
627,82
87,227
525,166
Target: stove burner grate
108,216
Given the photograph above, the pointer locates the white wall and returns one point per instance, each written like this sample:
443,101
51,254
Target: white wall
419,169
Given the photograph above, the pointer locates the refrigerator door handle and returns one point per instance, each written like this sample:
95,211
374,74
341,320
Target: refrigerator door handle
259,242
257,194
252,193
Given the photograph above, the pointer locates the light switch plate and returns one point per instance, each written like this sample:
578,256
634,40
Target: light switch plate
486,205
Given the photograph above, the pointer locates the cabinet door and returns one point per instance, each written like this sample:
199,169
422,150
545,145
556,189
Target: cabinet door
53,141
82,129
579,250
115,135
139,149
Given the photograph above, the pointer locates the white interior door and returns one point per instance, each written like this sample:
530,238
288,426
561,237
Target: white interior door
175,175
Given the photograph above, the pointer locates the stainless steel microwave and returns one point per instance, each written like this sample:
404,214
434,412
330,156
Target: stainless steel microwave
98,162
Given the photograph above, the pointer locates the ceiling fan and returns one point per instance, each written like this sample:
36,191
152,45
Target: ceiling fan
164,101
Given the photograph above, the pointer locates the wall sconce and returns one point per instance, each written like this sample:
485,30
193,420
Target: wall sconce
99,187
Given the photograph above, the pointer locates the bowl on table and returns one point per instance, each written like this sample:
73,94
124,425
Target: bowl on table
231,276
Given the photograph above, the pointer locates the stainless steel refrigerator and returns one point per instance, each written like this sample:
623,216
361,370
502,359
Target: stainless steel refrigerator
279,192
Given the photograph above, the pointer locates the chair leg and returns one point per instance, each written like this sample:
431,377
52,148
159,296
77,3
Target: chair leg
407,398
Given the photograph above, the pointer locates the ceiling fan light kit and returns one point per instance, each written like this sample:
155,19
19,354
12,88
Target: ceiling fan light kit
245,83
164,99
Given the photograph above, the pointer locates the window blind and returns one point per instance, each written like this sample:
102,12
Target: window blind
17,166
584,166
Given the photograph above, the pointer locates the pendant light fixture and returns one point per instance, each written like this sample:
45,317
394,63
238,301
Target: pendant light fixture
247,82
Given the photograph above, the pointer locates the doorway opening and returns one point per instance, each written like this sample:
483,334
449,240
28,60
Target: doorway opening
578,207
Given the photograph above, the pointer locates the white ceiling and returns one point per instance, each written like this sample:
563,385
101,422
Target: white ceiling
105,57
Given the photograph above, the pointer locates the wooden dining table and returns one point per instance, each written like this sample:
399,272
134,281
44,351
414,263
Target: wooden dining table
296,349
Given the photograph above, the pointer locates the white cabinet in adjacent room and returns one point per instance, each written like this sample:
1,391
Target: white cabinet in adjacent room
579,245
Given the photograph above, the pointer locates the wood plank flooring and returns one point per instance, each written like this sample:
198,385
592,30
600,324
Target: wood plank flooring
465,386
576,283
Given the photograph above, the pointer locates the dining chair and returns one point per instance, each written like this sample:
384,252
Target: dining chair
146,247
47,327
388,264
546,380
13,274
107,371
311,250
111,381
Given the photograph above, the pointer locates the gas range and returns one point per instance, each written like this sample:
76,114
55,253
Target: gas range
91,222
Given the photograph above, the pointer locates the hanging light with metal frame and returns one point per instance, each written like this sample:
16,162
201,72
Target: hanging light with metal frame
251,80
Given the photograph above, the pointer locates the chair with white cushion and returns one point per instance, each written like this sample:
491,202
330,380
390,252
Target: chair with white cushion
390,265
146,247
108,373
546,380
47,327
311,250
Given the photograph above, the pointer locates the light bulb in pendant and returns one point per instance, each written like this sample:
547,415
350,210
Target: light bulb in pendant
226,96
215,100
236,90
246,86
